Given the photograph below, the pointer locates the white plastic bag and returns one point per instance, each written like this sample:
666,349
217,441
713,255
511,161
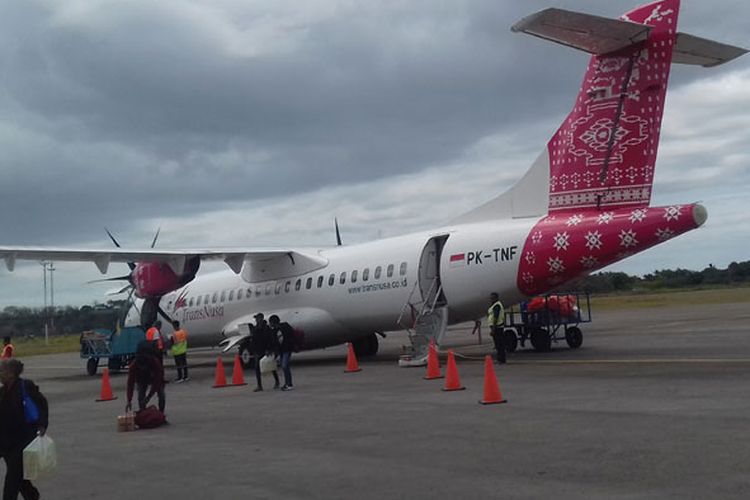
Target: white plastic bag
267,364
39,456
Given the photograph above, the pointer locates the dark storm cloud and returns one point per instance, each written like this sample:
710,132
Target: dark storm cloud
125,113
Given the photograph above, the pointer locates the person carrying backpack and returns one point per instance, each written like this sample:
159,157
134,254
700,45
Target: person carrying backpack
16,432
146,371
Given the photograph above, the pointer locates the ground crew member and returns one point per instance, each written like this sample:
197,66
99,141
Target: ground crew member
153,334
7,349
496,321
179,352
286,349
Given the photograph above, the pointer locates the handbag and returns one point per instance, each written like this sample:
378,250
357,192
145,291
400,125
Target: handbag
267,364
38,457
30,410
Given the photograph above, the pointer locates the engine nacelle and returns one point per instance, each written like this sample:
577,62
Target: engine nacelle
155,279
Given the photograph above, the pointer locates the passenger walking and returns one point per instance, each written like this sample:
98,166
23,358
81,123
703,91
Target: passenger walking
263,342
146,371
16,432
496,321
179,351
7,349
286,348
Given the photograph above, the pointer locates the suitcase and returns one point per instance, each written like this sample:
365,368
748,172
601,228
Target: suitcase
150,418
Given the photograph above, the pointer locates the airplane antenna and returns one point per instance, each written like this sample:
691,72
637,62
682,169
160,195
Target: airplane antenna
338,233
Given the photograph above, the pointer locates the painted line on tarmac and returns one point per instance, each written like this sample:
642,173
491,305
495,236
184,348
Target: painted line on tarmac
629,361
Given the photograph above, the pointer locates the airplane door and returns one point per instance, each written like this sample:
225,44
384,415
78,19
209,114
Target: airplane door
429,270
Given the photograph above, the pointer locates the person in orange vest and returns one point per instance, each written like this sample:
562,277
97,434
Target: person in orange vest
179,351
153,334
7,349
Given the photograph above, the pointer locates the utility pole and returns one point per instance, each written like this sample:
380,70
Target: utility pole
46,312
52,291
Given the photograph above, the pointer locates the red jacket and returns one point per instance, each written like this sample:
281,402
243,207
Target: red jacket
157,376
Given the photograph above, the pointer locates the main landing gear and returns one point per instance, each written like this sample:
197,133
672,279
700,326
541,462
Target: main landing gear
366,346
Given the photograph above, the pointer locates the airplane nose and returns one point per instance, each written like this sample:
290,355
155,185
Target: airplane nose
700,214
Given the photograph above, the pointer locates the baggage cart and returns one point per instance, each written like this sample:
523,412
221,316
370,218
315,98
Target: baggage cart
117,347
547,318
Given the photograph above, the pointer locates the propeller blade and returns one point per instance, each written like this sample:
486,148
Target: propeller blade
104,280
131,265
164,315
338,233
118,291
156,237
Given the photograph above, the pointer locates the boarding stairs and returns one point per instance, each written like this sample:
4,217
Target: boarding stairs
425,320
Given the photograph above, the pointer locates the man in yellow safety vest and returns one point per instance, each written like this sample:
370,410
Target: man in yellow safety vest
179,351
496,321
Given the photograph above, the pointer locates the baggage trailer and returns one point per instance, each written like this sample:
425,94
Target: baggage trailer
546,319
118,347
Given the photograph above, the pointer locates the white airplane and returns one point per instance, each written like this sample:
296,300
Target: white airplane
583,204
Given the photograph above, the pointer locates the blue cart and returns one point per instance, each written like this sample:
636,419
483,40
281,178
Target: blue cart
548,318
118,347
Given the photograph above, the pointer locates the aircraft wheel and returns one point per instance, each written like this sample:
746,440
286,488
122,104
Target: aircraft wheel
247,360
366,346
510,340
540,340
92,365
574,337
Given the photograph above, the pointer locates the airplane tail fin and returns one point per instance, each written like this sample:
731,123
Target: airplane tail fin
603,155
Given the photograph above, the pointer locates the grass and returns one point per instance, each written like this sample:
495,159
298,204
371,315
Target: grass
57,344
671,298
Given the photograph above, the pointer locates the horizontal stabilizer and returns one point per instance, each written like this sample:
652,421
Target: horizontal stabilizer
592,34
691,49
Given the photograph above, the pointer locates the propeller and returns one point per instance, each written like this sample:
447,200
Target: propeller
338,233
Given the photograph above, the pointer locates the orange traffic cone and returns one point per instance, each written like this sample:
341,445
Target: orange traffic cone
106,394
221,378
433,363
238,377
351,361
452,382
492,394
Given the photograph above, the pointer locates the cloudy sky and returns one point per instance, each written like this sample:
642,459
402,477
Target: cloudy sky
254,123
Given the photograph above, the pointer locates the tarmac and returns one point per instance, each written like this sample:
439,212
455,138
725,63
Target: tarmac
655,404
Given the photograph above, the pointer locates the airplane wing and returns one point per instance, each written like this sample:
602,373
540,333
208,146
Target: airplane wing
260,262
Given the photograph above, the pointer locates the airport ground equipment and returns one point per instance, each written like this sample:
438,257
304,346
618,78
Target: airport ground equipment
118,347
546,319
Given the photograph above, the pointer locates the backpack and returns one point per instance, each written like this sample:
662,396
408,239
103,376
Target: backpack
150,418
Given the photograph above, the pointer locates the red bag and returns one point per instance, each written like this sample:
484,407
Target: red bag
149,418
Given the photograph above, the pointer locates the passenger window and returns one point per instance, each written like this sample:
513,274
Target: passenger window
279,284
308,285
354,276
258,289
197,302
231,295
402,270
215,298
366,274
342,278
205,299
239,294
298,285
378,270
389,272
331,280
320,281
223,295
269,287
248,293
287,286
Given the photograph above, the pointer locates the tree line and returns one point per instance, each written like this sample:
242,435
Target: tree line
18,321
737,273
